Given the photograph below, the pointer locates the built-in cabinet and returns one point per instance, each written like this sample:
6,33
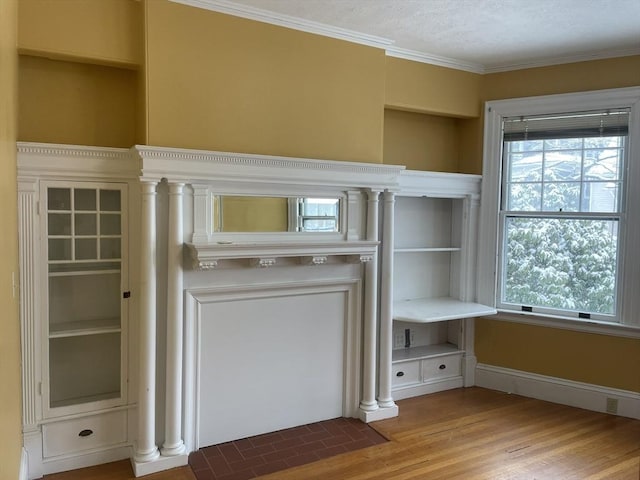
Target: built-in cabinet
74,207
432,286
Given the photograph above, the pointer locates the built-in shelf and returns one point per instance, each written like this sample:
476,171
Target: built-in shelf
77,400
424,351
427,249
427,310
83,272
266,254
84,327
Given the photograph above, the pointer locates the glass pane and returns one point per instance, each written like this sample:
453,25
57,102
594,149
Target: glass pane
327,207
562,166
86,249
602,164
84,199
525,167
59,199
110,200
110,224
603,142
526,146
110,248
59,224
84,369
563,144
600,197
85,224
561,197
561,263
59,249
525,197
316,225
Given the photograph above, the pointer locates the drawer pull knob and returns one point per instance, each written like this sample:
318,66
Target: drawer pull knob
400,374
442,367
85,433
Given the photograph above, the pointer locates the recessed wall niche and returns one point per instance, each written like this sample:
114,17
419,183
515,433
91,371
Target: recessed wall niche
76,103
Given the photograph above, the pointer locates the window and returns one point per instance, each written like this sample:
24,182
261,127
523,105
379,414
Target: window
560,213
317,214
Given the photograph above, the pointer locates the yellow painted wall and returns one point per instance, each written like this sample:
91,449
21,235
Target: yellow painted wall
99,31
421,141
578,356
225,83
10,398
572,77
601,360
426,88
76,103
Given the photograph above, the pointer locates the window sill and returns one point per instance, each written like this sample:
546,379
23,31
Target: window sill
588,326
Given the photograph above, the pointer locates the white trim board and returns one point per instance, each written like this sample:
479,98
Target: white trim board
557,390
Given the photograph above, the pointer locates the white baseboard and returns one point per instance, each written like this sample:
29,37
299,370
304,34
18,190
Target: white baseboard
558,390
24,465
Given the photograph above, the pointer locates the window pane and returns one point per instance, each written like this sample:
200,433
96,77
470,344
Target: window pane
84,199
110,248
561,197
110,200
59,224
85,224
86,249
316,225
600,197
525,197
59,249
602,164
59,199
527,146
563,144
110,224
525,167
563,264
562,166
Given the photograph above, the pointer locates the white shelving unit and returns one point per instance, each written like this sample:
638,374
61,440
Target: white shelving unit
432,290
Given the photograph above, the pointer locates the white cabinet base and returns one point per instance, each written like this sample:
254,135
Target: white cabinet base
160,464
426,388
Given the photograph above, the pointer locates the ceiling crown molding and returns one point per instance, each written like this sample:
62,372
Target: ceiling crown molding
281,20
421,57
550,61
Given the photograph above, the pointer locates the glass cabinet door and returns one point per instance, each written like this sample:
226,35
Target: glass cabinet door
86,256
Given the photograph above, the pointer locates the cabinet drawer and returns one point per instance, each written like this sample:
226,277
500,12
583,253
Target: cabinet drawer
405,373
442,367
84,433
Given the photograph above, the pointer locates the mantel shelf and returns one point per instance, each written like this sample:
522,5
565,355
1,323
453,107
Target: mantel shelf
426,310
266,254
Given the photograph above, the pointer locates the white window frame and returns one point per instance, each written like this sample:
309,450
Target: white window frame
628,318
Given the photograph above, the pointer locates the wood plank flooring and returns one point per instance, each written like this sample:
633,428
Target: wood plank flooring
471,434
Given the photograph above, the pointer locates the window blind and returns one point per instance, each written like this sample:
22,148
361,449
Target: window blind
602,123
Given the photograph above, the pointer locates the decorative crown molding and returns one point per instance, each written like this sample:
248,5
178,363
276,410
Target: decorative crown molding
204,166
287,21
423,57
75,161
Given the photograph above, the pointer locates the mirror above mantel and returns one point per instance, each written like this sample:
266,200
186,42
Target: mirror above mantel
270,214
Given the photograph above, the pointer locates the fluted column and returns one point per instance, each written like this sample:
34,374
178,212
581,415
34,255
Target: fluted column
173,444
386,304
146,449
368,402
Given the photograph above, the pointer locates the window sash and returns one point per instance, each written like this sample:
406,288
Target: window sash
576,312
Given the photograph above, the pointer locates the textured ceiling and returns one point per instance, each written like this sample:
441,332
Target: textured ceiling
484,35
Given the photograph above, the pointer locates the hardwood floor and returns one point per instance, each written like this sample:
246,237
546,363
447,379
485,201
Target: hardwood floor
466,434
